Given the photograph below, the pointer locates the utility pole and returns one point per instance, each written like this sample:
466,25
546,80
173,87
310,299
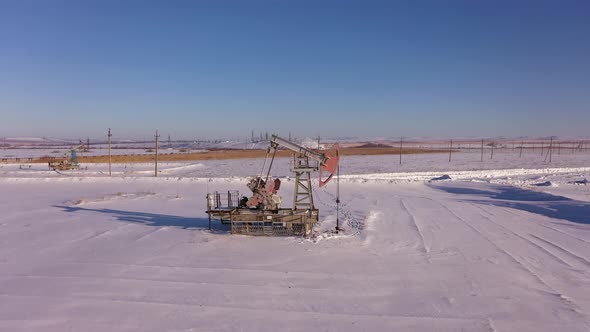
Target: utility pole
169,141
450,150
109,135
157,141
492,154
521,144
400,149
482,150
338,229
551,149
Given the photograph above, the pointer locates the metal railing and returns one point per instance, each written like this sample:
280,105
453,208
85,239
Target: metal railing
301,226
223,200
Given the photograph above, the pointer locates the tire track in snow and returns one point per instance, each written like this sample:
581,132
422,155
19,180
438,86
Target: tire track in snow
421,235
552,291
459,251
532,243
101,234
430,226
524,215
267,311
225,270
574,307
500,249
161,281
113,230
563,250
565,233
66,243
150,233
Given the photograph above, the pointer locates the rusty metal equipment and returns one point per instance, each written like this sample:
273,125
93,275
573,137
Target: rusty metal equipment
262,214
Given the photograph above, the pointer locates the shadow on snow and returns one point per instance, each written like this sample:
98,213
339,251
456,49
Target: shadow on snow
552,206
153,219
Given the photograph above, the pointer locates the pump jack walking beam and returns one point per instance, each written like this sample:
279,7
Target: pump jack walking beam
328,161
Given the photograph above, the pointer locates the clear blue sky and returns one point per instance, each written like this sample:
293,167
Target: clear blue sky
335,68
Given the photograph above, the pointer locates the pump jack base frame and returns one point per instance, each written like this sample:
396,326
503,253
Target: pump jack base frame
281,222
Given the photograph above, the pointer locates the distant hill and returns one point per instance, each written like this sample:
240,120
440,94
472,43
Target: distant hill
373,145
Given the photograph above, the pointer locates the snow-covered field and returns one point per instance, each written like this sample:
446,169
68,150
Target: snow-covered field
503,245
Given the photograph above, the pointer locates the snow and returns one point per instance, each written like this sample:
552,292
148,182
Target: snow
487,249
309,143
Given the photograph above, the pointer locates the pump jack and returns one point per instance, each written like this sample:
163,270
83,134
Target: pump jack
68,163
261,214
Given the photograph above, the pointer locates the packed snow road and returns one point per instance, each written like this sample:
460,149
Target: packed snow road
135,254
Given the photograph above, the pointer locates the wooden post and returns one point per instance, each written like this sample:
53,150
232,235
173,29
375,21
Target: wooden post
110,161
521,144
157,141
450,150
492,155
